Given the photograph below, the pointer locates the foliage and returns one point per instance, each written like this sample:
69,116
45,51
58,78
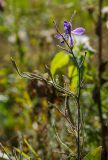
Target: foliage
94,155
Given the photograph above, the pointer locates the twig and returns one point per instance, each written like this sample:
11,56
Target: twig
5,151
63,49
39,77
14,153
62,114
56,27
63,144
79,116
82,62
68,110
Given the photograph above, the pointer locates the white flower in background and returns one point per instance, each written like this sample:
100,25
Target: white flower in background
85,41
12,38
105,10
105,14
22,34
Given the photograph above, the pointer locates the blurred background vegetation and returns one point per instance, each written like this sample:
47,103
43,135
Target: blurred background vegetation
27,34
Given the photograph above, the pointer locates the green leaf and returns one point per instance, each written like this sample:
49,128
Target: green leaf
73,75
94,155
32,150
60,60
23,154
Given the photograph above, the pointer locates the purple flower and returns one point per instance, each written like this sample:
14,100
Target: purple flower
68,33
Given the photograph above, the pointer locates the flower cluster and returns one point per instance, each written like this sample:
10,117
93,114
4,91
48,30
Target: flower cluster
68,33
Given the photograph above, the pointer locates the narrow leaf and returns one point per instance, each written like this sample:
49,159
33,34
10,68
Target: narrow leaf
23,154
32,150
94,155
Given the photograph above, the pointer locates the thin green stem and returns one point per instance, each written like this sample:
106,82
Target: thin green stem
79,114
79,66
75,60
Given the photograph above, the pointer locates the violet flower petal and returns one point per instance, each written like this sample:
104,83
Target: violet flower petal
66,24
71,41
67,27
62,42
78,31
58,36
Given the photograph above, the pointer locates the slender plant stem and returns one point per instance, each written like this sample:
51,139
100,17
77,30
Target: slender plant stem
79,114
68,110
79,66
